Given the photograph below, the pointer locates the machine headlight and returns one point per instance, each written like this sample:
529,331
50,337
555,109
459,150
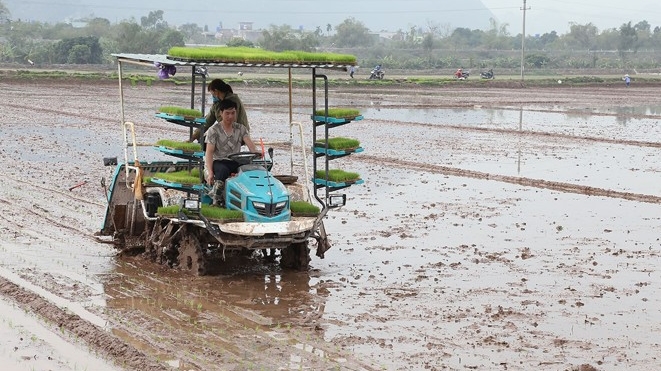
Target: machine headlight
280,205
259,205
191,204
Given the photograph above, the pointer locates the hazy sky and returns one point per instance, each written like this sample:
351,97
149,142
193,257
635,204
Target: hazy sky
542,16
546,15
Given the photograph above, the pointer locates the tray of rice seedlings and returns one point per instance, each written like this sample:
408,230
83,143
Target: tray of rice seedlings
213,213
302,208
177,148
337,115
184,180
180,114
254,56
338,146
337,178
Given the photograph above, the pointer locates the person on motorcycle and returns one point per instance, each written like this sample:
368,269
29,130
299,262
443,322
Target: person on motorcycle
459,73
377,68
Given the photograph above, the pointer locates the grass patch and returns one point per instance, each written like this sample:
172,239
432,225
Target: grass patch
183,177
254,55
180,111
303,208
184,146
210,212
339,143
337,175
340,113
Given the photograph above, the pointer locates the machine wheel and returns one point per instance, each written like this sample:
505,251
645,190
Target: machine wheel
191,256
295,256
162,247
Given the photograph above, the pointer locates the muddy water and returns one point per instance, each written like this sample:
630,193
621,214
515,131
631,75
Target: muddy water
430,268
480,273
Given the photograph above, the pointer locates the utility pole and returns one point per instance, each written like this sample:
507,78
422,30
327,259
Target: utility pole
523,38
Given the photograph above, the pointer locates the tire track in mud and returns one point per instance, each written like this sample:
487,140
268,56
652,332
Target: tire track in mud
32,209
526,182
95,337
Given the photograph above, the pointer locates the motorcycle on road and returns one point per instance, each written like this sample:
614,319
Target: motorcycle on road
461,74
487,75
377,74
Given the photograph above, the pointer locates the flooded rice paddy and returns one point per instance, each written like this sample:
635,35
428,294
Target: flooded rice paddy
500,237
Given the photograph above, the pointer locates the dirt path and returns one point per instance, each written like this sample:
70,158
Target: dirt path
445,259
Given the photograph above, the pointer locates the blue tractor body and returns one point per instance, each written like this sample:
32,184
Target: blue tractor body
261,197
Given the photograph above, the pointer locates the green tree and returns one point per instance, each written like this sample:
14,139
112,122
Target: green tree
497,37
644,32
168,39
582,36
98,27
237,41
79,54
61,31
628,41
428,45
78,50
191,31
131,38
154,20
280,38
537,60
352,33
464,38
5,14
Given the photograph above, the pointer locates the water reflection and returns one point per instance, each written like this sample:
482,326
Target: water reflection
211,309
628,123
266,290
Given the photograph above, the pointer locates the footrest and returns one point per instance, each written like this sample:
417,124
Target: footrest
335,120
329,183
337,152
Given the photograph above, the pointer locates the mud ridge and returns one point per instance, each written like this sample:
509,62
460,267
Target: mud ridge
95,337
527,182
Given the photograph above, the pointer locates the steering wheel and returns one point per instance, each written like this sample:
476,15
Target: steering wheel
244,158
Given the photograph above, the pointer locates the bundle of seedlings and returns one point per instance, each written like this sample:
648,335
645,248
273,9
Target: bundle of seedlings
338,143
303,208
337,175
210,212
184,177
339,113
187,113
177,145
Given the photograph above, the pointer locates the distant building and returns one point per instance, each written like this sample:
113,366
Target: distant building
244,32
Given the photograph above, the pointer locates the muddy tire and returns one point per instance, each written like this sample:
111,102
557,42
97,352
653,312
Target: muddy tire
296,256
191,256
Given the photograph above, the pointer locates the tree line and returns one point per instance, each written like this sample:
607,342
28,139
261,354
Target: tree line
422,47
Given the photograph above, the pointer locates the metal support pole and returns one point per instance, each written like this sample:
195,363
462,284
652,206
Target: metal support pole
523,39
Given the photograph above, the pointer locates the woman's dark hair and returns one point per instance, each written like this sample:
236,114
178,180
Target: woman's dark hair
220,85
226,104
